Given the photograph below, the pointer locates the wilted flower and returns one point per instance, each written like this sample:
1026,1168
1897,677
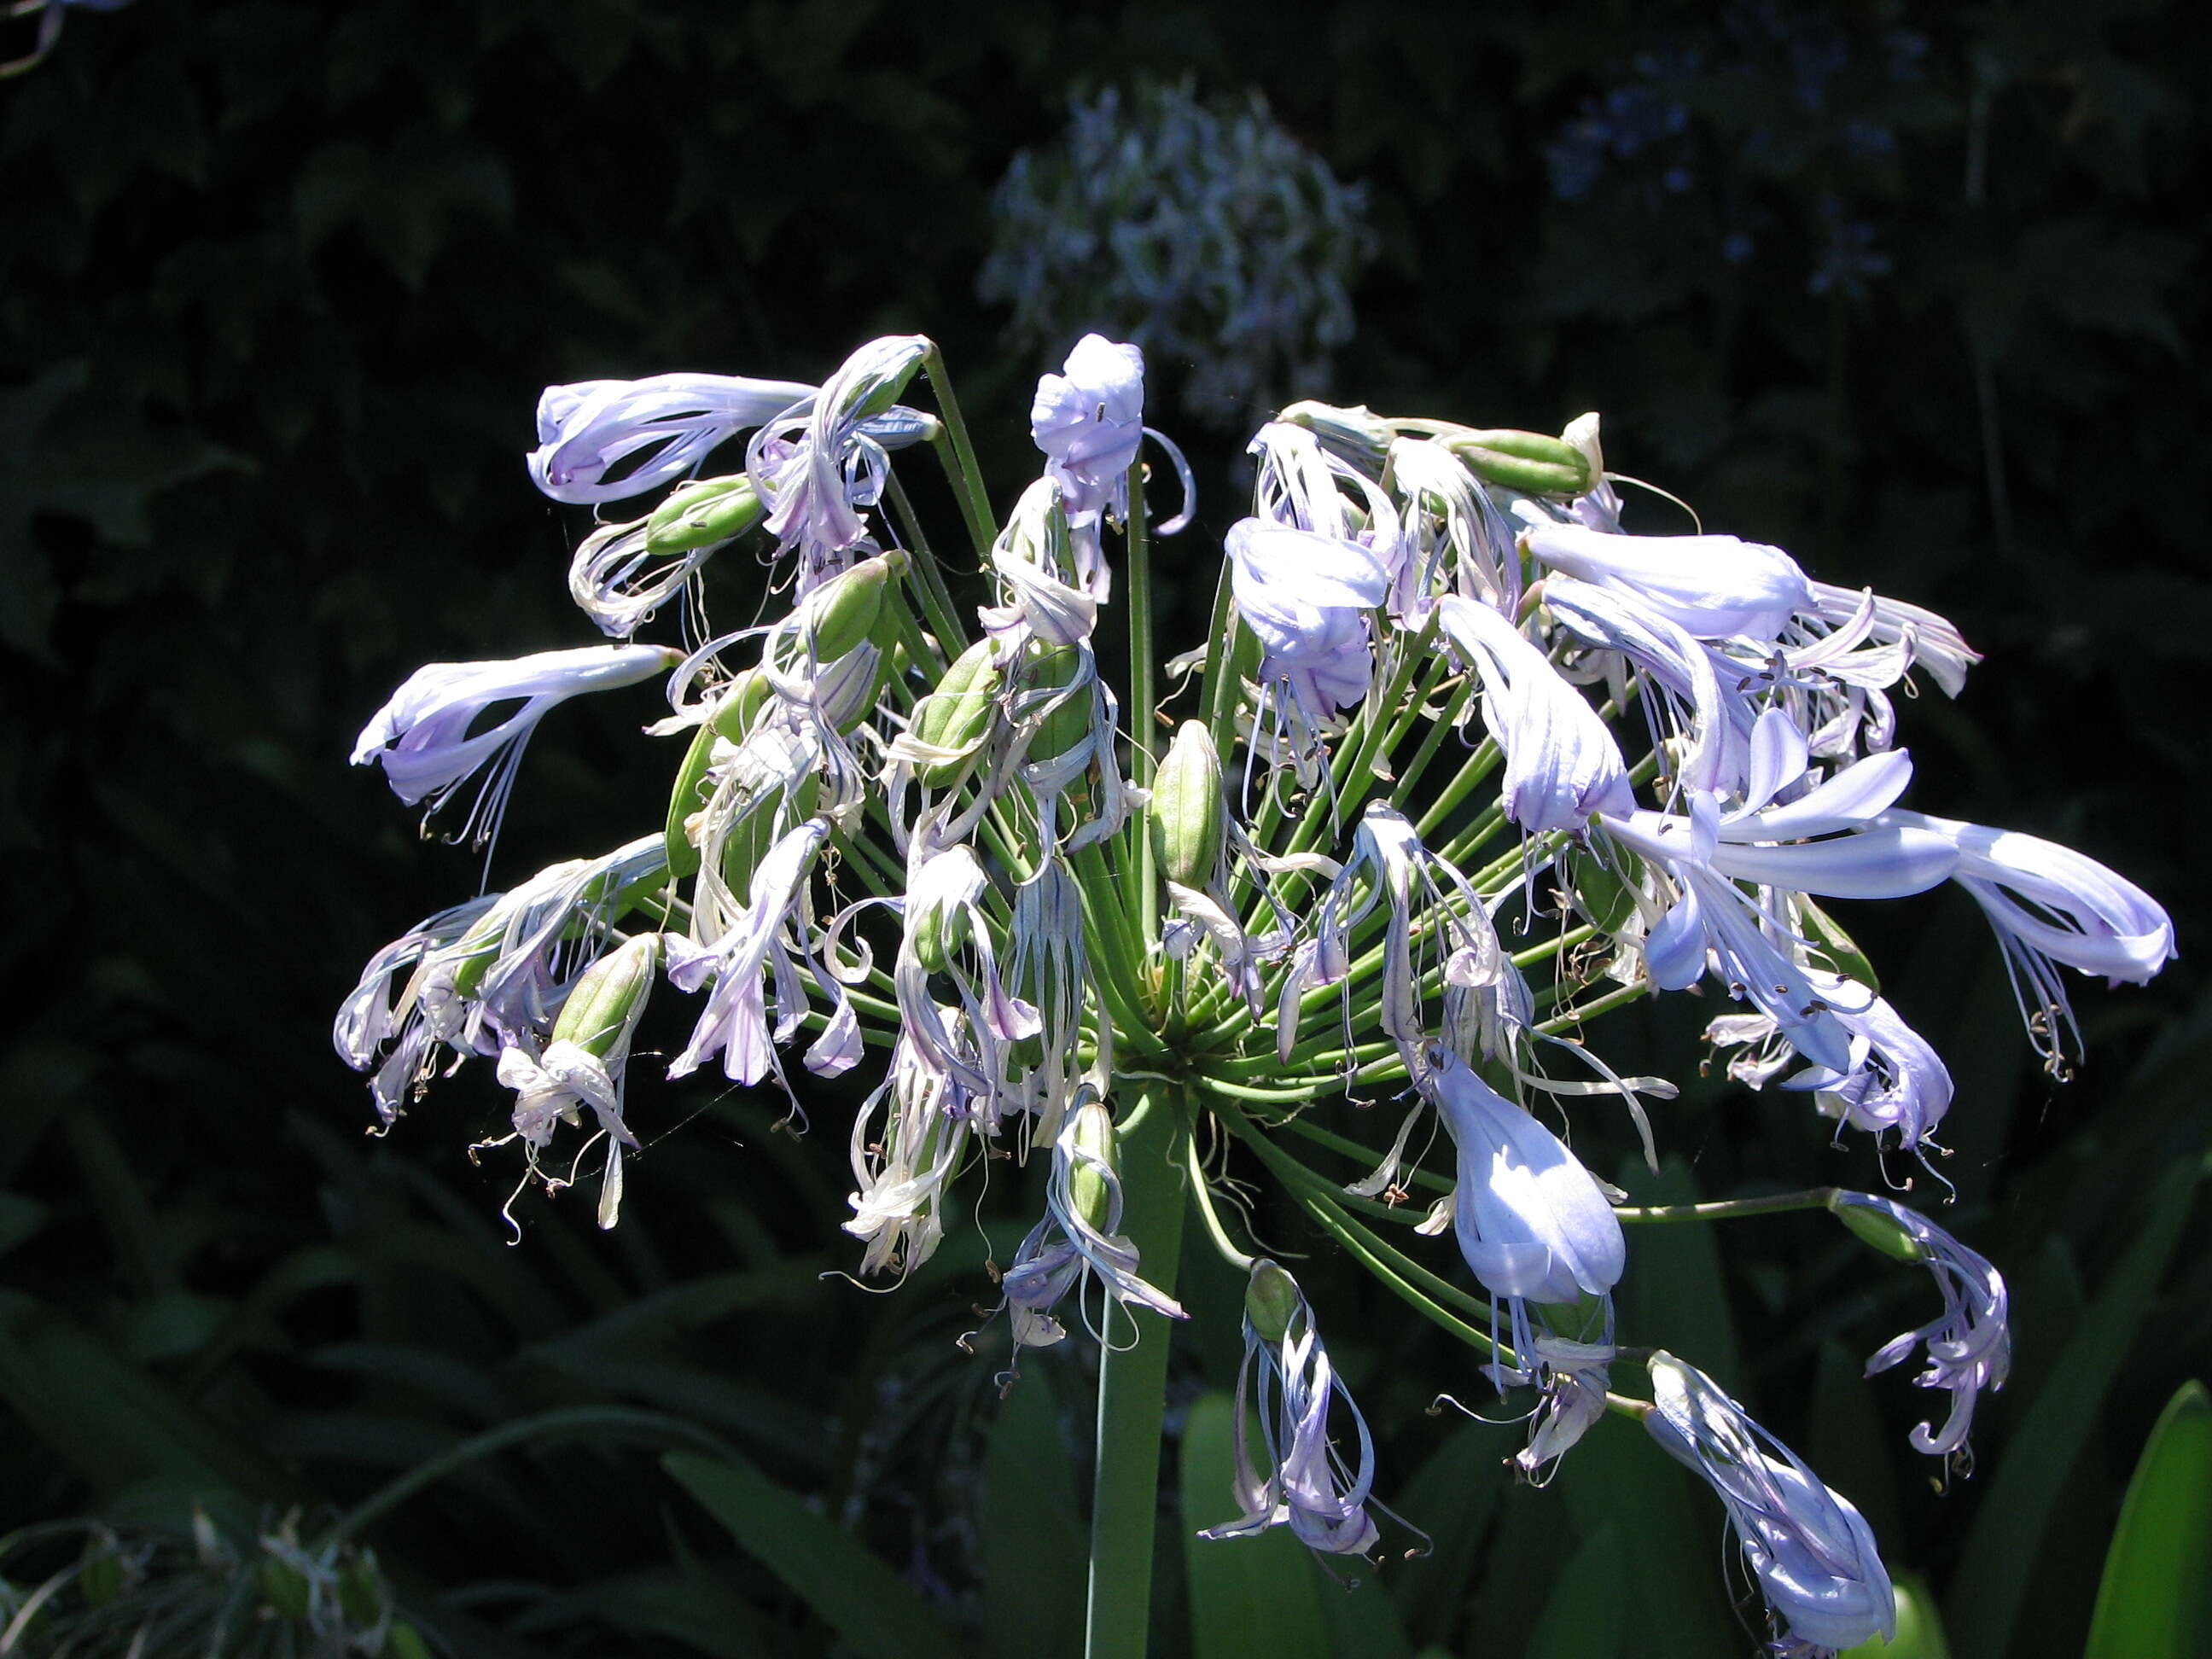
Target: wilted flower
1309,1486
1969,1346
587,430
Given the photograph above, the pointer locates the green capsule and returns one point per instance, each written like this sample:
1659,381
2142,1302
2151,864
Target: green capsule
283,1587
737,709
609,997
842,612
1879,1229
476,950
361,1591
1188,819
1051,667
1091,1182
1272,1302
705,511
936,933
1527,461
99,1575
957,716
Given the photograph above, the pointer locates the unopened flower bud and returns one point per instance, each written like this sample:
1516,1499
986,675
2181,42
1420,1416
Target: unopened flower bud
1189,821
957,716
846,690
699,514
1272,1302
1091,1182
610,997
1527,461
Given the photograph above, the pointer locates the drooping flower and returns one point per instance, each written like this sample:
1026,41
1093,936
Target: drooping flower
1306,596
1531,1221
764,946
1812,1553
1561,763
382,1030
422,737
1309,1487
2050,904
1894,1081
1079,1237
588,430
1969,1345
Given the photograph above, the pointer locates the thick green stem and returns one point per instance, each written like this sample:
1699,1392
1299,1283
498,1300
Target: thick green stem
1152,1144
960,465
1728,1209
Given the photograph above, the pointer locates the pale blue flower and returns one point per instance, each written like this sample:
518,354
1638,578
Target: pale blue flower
1811,1552
1306,596
1561,763
379,1026
422,737
1969,1345
1089,421
2050,904
1531,1221
1079,1238
1894,1081
1714,586
588,430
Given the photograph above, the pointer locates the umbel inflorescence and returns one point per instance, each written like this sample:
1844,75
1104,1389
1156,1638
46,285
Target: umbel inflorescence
1459,765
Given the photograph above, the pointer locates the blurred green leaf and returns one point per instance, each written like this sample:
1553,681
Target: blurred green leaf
2156,1599
851,1588
2000,1549
1250,1598
1586,1616
1032,1544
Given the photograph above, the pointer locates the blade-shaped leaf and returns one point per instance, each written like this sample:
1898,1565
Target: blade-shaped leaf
860,1597
2156,1599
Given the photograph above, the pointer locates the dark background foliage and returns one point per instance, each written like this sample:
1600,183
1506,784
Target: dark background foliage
1918,296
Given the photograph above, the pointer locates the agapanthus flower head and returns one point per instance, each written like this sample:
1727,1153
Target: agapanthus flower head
587,430
1969,1345
1810,1552
1310,1485
425,738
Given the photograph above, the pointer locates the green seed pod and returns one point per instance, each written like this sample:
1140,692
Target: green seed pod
1271,1301
476,950
361,1590
957,716
699,514
1050,667
1527,461
1189,821
402,1641
1090,1184
283,1587
1880,1230
936,933
604,1009
739,706
842,612
99,1575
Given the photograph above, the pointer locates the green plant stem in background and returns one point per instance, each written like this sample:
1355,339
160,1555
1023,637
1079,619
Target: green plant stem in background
960,463
1152,1144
